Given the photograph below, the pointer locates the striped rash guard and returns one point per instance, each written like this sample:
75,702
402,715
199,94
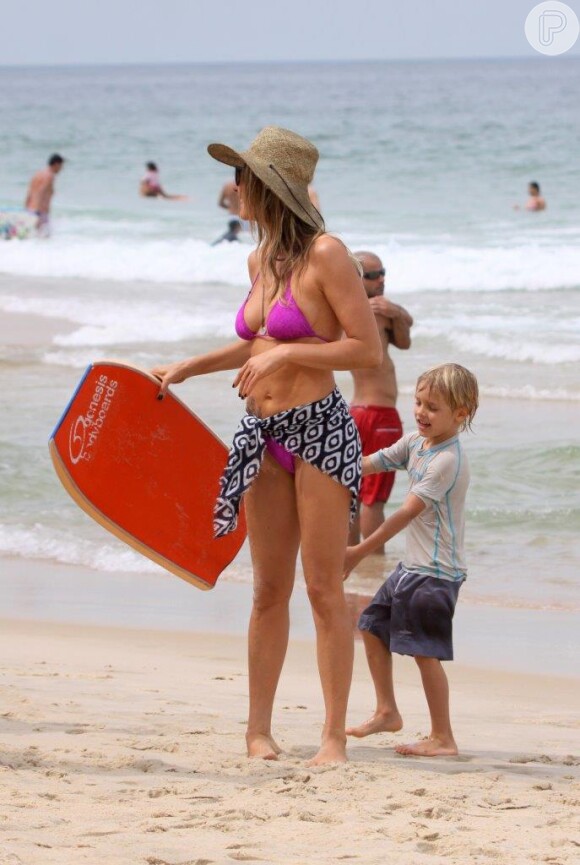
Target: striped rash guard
439,476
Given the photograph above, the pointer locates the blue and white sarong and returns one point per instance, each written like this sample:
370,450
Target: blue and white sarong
321,433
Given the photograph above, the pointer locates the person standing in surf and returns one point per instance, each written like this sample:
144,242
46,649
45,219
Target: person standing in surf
40,192
373,405
296,456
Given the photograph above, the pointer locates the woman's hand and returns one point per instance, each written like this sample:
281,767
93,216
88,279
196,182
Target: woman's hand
351,560
173,373
258,367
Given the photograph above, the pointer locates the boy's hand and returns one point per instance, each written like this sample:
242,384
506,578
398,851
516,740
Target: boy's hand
351,560
367,467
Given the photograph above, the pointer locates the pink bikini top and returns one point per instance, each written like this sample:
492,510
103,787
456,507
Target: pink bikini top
285,321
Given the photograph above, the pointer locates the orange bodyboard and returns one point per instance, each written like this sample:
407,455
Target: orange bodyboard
146,469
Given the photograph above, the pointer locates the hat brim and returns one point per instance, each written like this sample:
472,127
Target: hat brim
296,199
226,154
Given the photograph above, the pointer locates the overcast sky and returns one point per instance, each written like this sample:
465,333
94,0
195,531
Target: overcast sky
185,31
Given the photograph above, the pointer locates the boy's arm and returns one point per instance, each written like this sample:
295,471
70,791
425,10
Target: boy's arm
371,465
389,459
411,508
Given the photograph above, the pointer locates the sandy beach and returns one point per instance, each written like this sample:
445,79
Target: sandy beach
126,746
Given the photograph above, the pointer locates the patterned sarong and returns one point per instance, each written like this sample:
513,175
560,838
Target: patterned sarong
321,433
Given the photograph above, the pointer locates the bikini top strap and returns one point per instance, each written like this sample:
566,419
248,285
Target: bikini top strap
251,288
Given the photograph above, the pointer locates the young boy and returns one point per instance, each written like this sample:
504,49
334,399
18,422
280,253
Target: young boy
412,612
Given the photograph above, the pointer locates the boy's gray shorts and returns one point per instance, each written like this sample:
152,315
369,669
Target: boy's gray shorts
413,614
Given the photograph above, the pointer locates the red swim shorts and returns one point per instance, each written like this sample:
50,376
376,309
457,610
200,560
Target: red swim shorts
379,426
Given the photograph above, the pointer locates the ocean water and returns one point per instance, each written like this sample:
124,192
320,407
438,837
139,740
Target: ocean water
420,162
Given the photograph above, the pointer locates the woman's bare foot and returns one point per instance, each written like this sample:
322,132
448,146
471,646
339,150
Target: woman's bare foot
380,722
262,746
432,746
332,750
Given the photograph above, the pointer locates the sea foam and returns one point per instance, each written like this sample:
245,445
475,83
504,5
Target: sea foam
43,542
412,266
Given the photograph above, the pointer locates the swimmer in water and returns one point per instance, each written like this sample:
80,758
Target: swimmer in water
234,228
150,186
535,200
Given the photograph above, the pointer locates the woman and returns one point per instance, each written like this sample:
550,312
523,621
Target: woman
296,455
150,185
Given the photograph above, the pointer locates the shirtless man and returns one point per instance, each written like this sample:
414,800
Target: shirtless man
230,198
375,397
41,190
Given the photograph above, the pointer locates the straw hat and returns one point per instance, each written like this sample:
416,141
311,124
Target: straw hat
284,162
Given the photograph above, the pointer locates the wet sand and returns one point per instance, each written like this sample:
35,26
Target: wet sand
486,636
26,329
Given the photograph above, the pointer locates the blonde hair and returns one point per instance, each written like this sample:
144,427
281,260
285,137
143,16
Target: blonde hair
457,386
284,240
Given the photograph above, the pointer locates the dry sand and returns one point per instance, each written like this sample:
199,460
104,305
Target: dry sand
126,746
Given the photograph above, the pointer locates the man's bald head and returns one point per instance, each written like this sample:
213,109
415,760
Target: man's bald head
372,267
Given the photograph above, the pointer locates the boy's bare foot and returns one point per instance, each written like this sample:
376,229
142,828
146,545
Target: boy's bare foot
380,722
262,746
332,750
431,746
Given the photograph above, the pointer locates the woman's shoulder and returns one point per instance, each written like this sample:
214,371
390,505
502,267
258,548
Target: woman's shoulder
332,260
330,250
327,244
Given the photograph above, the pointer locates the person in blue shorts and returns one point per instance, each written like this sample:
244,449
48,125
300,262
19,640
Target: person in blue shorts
412,612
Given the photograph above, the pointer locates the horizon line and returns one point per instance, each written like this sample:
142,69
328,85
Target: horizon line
278,62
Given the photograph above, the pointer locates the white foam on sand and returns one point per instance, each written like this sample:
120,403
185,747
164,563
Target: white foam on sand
45,542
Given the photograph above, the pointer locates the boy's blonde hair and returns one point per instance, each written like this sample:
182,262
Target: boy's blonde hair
456,385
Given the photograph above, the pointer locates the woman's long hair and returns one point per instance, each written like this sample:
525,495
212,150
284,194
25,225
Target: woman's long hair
284,240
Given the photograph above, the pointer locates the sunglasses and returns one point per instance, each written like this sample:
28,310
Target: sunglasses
374,274
238,176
